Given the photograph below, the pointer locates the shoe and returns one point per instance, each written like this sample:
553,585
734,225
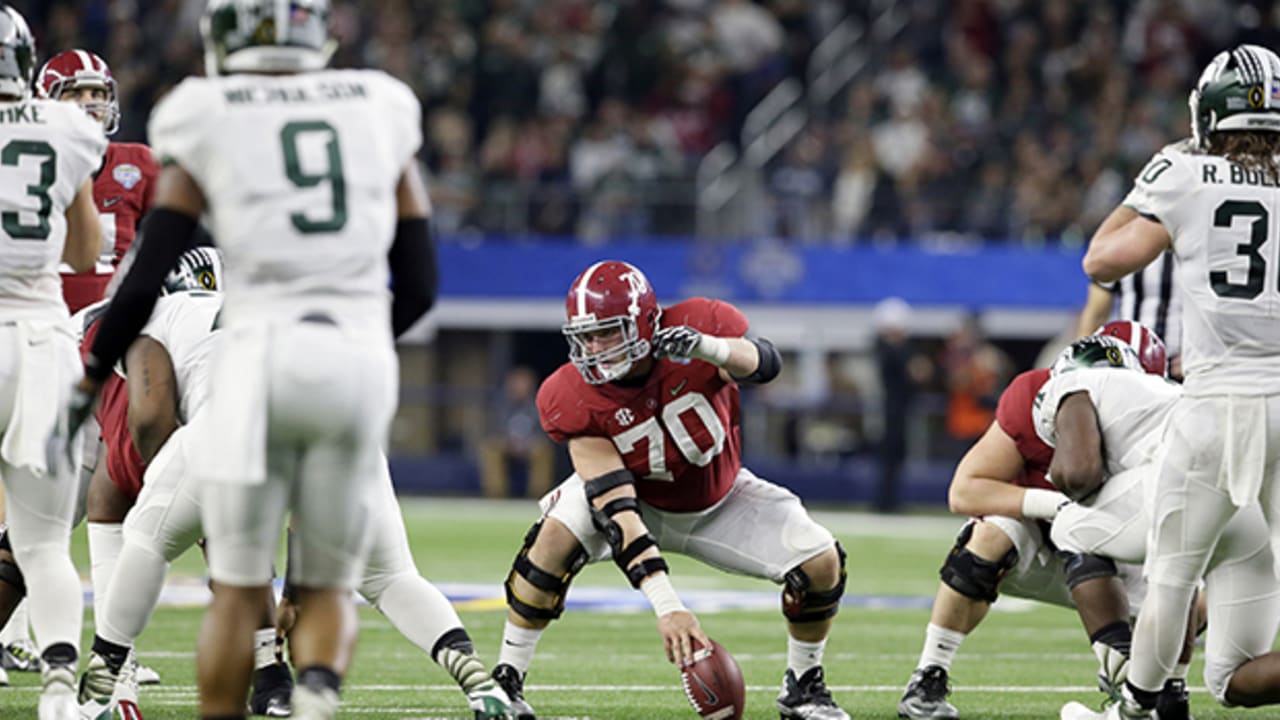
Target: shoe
512,683
314,703
490,702
926,696
1123,710
146,674
807,698
98,683
272,687
58,700
20,656
1174,703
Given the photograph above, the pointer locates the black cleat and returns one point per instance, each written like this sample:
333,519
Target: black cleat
512,682
926,696
807,698
1174,703
272,691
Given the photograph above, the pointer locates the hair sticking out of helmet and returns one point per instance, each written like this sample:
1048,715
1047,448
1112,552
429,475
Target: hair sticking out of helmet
1144,341
17,54
612,314
266,36
1097,351
199,268
76,69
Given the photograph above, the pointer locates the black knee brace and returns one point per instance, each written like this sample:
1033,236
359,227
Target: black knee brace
1082,566
557,585
802,605
972,576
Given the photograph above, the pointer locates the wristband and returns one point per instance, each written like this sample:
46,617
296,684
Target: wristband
1042,504
712,349
662,596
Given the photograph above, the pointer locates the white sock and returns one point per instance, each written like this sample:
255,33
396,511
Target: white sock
106,540
518,646
417,609
53,587
940,646
264,647
16,629
803,656
314,704
126,606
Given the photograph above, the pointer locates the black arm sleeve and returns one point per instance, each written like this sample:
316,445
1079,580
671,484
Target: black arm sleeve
414,277
168,234
769,366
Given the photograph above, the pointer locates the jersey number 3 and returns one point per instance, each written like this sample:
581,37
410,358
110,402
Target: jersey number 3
309,134
11,156
672,419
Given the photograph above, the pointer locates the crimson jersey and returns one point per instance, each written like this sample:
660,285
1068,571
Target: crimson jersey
124,465
1014,413
122,192
677,429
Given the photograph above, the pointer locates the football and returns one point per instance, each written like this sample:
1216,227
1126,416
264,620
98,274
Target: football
713,683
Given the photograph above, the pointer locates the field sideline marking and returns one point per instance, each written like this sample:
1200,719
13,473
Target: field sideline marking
174,691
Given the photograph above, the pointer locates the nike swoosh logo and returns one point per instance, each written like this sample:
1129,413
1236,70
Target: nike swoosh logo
676,390
712,698
112,201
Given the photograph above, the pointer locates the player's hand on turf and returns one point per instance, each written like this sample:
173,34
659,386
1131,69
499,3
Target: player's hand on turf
677,342
679,629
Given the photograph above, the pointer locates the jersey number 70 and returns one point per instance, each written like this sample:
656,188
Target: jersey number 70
672,419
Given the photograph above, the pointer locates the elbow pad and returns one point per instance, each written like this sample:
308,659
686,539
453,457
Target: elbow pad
769,366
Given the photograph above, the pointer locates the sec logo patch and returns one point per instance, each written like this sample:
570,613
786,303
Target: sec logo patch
127,175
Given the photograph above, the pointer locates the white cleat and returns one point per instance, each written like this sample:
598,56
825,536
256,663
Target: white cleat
146,675
58,700
1116,711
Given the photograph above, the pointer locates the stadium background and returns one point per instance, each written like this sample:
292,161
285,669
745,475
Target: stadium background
803,159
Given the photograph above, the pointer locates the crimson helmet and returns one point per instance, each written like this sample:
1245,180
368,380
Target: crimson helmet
74,69
610,295
1143,340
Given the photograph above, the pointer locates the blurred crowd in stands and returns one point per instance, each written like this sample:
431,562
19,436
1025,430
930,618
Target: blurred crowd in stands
1019,120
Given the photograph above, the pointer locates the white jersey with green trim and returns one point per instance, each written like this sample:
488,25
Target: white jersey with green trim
299,173
186,324
48,150
1132,408
1224,221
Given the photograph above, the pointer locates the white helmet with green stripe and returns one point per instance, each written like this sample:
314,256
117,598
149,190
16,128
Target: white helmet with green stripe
274,36
1239,90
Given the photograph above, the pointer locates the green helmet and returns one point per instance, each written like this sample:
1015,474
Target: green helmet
1239,90
17,54
1097,351
278,36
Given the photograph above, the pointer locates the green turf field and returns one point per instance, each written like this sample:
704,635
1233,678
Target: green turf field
1024,662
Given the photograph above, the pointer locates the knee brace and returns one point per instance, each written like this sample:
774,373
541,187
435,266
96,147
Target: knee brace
9,571
973,576
557,585
804,605
800,604
603,521
1083,566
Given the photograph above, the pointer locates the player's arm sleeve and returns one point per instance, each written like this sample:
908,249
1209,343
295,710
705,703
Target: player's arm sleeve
561,417
414,273
1161,189
170,234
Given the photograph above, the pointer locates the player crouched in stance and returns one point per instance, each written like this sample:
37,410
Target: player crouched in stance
648,405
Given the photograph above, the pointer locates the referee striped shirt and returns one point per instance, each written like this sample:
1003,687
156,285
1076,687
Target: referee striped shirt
1150,296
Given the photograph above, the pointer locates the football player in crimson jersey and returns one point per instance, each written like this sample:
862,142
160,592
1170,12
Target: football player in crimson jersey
1002,483
648,406
123,185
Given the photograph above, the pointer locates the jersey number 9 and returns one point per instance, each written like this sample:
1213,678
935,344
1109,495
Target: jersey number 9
307,133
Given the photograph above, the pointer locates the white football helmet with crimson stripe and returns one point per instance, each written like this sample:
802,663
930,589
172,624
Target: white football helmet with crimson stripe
74,69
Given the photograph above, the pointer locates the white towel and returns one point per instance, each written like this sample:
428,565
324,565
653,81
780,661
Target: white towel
234,449
1245,454
44,377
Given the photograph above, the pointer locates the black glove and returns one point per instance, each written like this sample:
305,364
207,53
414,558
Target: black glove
677,342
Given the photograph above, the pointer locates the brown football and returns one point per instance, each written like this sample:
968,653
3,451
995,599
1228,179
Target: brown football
713,683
